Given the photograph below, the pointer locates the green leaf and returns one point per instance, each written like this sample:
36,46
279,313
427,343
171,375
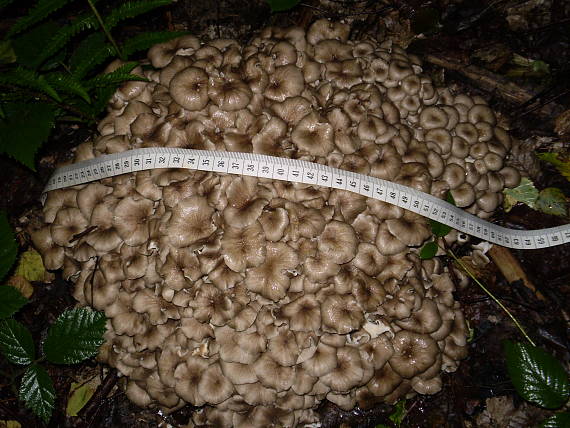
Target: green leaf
11,300
22,77
58,40
561,162
552,201
92,51
146,40
80,395
120,75
439,229
30,46
75,336
281,5
428,251
30,266
536,375
66,83
560,420
525,192
131,9
37,392
20,140
399,413
41,10
8,246
4,3
16,342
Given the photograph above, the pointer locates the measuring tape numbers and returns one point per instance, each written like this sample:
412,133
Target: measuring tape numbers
298,171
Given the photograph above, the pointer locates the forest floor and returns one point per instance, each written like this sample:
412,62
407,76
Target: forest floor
514,53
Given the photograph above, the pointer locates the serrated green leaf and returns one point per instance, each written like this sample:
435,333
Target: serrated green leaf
90,52
11,300
37,391
428,251
20,140
22,77
66,33
66,83
16,342
41,10
146,40
536,375
552,201
32,44
75,336
120,75
525,192
560,420
561,162
8,245
131,9
281,5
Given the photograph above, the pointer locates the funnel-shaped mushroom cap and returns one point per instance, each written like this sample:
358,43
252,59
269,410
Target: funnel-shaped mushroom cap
214,387
414,353
189,88
338,242
270,279
313,136
130,219
191,222
349,370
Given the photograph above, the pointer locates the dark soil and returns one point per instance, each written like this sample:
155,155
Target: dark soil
483,33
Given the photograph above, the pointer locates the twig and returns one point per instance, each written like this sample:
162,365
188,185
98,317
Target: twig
105,30
511,268
90,409
491,295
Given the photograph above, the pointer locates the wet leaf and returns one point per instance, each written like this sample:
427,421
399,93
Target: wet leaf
37,391
80,395
428,251
10,424
552,201
11,300
560,420
31,266
536,375
21,284
439,229
399,413
525,192
16,342
561,163
76,335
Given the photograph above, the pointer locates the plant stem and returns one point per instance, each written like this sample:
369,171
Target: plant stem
105,30
486,290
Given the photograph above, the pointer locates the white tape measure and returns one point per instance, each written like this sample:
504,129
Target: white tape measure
262,166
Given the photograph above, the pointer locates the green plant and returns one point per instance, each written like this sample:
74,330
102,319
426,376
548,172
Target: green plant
51,72
536,375
75,336
540,379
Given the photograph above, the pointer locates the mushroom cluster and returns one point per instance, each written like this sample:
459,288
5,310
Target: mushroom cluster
255,298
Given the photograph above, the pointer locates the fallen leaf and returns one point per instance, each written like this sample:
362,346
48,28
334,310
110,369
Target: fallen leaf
552,201
10,424
561,162
79,396
31,266
22,285
524,192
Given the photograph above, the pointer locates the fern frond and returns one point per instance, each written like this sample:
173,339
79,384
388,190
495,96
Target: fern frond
88,56
25,78
132,9
101,99
146,40
66,83
63,36
40,11
121,74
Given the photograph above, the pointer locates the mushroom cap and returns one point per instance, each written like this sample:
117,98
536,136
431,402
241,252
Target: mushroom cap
414,353
189,88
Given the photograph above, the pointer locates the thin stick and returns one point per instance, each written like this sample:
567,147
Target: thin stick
497,301
105,30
